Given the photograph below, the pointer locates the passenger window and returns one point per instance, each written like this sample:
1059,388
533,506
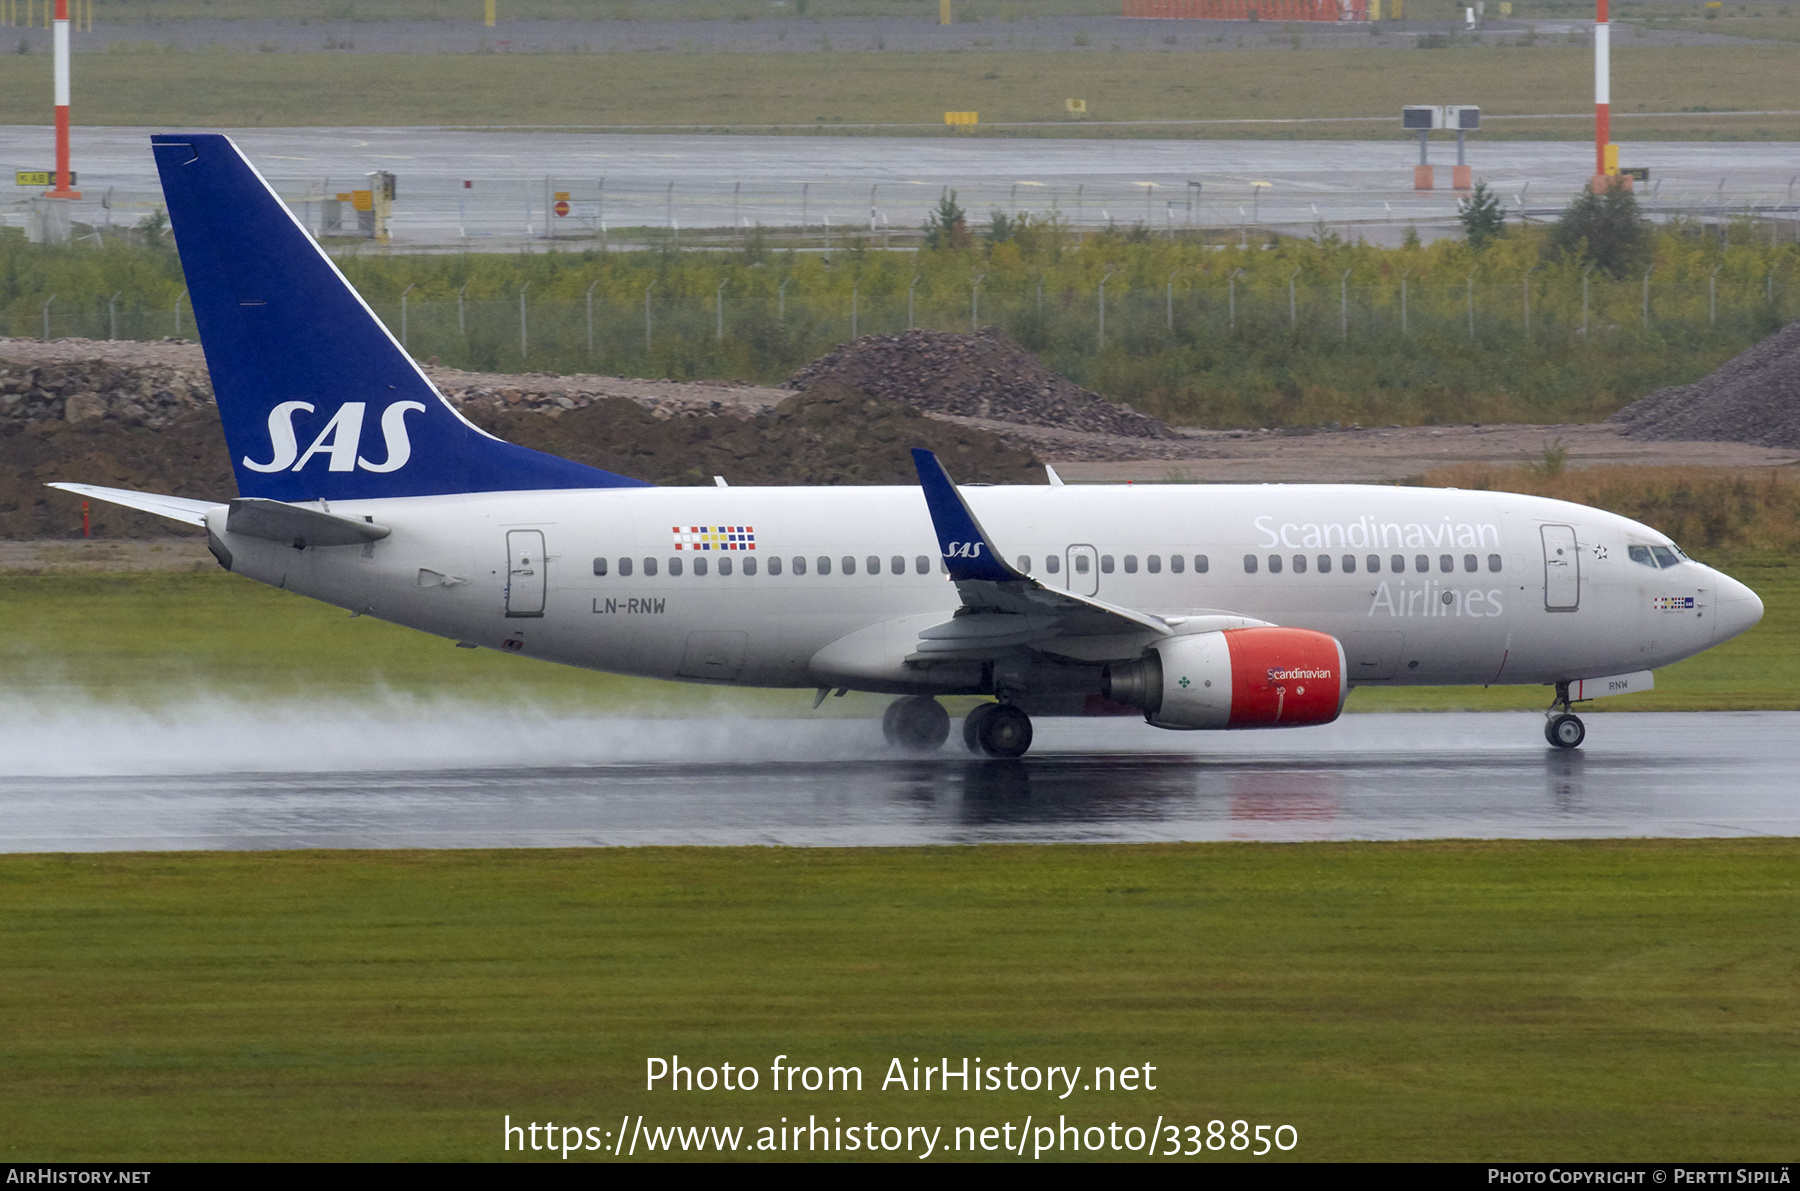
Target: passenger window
725,565
1664,555
922,564
874,564
1397,564
1249,564
1446,563
625,568
674,566
1200,564
1106,564
1274,564
824,565
1177,564
1153,564
599,566
1349,564
1053,564
897,565
1324,564
799,564
1299,564
1471,563
849,564
1494,562
700,566
1081,564
1640,554
1131,564
750,565
1374,561
1421,563
1025,563
649,568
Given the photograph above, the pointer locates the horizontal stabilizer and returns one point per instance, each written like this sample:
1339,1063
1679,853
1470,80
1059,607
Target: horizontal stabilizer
297,526
175,508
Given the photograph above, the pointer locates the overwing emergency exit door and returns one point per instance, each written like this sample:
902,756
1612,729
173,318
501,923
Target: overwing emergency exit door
1082,570
1562,569
525,572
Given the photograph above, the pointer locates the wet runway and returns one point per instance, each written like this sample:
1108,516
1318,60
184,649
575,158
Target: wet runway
214,779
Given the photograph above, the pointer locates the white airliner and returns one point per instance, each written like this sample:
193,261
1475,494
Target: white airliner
1196,606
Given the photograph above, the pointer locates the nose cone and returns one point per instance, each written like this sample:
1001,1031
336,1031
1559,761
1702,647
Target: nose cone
1736,609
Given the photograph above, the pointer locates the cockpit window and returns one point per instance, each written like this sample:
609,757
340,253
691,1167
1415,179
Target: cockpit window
1655,556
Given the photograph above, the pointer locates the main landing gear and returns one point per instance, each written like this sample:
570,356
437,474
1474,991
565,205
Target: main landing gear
916,724
997,730
1562,729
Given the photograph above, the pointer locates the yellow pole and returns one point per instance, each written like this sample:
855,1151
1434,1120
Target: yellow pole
943,12
490,14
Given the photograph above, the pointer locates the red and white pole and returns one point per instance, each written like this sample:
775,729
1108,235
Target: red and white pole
1602,90
63,189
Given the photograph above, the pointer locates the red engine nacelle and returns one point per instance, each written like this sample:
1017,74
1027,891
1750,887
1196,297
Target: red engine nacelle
1238,678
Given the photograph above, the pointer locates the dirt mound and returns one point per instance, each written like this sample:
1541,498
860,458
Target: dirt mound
827,435
986,375
1753,397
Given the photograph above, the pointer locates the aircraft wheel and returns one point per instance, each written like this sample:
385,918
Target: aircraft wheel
1004,732
1565,731
972,724
916,724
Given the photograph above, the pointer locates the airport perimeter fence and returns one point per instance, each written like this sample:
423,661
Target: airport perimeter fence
767,336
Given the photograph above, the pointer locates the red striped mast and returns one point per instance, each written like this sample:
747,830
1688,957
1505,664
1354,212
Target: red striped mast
1602,97
63,189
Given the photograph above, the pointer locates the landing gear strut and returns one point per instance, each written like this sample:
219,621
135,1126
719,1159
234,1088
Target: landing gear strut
916,724
997,730
1562,729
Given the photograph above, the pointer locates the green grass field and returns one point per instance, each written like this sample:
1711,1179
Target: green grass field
1474,1001
148,638
840,87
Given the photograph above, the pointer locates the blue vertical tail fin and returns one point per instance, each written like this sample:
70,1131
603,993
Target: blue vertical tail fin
318,399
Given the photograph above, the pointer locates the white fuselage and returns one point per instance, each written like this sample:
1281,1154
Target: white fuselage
1465,587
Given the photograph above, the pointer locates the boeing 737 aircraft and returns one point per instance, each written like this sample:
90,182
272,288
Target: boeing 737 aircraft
1196,606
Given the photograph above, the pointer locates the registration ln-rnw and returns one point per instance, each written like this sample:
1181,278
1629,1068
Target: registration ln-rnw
1195,606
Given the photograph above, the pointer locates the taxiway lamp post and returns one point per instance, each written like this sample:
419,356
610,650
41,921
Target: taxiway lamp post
1422,119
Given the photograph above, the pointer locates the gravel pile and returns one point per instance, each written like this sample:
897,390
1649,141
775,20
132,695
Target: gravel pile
153,395
986,375
1753,397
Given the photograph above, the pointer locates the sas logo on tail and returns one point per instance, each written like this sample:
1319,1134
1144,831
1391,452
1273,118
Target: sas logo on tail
339,441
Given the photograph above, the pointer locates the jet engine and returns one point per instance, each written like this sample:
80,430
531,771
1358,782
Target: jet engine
1237,678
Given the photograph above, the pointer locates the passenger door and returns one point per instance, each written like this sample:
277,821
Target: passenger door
1562,569
525,572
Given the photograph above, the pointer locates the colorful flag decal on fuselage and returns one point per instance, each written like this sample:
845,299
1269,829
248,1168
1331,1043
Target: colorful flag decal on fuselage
714,537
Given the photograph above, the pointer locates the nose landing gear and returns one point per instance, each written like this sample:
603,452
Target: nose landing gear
1561,728
916,724
997,730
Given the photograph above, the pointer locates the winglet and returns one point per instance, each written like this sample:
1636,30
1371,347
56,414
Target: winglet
967,550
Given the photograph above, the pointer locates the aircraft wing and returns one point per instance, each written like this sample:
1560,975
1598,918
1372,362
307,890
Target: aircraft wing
1004,607
175,508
